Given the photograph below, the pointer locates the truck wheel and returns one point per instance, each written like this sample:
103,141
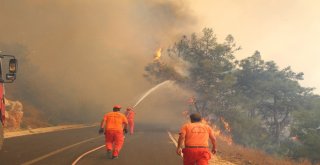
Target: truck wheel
1,135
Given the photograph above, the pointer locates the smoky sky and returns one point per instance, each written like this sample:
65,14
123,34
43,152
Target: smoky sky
286,31
83,56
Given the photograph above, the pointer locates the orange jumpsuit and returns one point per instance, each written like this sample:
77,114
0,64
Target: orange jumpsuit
196,149
114,131
130,117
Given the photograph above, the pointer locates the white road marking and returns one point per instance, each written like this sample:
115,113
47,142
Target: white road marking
174,141
88,152
58,151
95,149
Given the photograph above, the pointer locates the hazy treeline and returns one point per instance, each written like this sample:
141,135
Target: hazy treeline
265,105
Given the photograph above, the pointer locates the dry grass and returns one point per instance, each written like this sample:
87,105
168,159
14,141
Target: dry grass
236,154
240,155
33,118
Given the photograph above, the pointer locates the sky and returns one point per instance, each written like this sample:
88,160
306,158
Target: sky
285,31
82,55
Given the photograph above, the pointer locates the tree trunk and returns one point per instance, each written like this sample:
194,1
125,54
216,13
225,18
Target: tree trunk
252,113
1,134
276,122
277,130
203,108
196,106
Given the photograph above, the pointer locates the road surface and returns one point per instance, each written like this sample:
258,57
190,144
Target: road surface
149,145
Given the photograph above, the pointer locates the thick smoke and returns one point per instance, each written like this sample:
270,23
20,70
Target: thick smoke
78,58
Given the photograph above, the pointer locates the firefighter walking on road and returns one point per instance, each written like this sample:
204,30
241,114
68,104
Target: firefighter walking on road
114,124
130,117
195,137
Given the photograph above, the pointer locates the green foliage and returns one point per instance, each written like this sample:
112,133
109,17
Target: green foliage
158,72
247,131
274,94
306,128
210,66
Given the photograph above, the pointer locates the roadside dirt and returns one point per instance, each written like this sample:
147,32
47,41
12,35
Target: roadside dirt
218,160
8,134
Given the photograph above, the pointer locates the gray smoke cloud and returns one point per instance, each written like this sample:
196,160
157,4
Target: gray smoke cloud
78,58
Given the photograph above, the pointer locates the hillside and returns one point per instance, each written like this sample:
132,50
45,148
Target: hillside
233,154
236,154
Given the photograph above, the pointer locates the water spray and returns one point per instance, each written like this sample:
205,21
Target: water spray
151,90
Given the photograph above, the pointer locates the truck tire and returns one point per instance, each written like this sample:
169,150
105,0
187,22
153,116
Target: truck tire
1,135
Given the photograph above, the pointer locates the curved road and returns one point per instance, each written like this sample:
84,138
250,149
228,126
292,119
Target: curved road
149,145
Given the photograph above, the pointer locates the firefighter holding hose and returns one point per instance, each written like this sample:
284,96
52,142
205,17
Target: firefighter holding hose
114,124
195,136
130,117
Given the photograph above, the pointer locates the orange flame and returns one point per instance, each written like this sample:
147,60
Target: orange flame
226,125
191,100
158,54
295,138
226,137
223,135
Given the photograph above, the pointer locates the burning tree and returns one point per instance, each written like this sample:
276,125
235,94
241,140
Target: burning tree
208,70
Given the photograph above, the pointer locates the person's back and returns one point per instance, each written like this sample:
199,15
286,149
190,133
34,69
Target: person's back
114,121
196,134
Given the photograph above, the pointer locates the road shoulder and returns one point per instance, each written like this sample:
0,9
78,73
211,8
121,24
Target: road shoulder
45,130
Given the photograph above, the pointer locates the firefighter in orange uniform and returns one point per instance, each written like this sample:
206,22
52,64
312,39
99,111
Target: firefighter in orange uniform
130,117
114,124
195,136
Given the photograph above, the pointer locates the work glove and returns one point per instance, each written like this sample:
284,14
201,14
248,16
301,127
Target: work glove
125,130
101,131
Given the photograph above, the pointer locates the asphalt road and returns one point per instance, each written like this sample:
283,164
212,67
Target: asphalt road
149,145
